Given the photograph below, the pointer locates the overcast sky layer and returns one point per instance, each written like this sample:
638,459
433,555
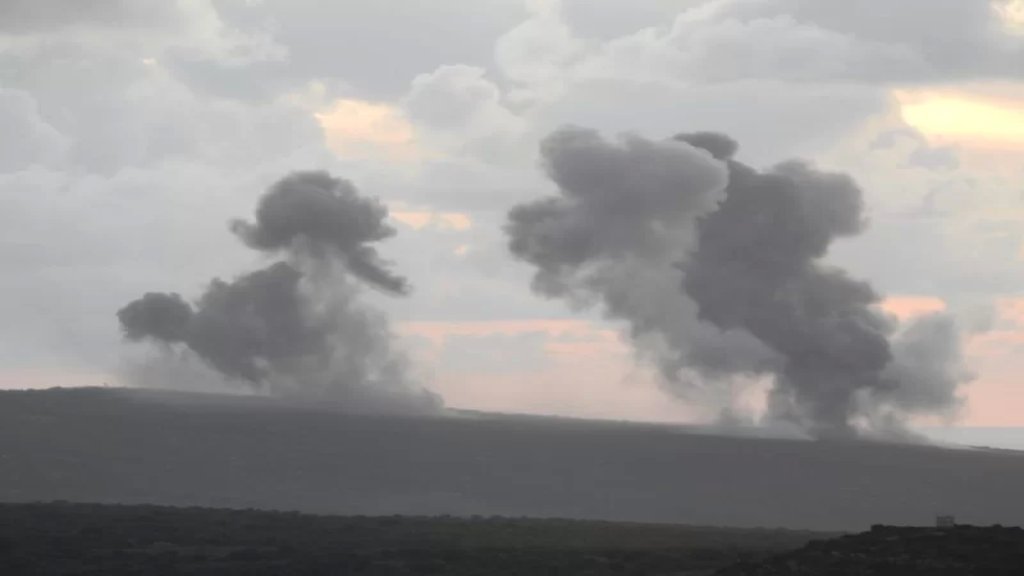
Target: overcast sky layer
133,132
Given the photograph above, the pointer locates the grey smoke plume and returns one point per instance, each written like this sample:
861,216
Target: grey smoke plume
624,217
296,327
757,268
717,270
311,212
164,317
928,364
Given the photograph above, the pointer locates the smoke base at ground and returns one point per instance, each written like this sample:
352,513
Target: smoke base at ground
718,272
298,326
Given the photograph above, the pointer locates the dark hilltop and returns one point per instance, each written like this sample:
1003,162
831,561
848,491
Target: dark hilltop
59,538
895,551
149,447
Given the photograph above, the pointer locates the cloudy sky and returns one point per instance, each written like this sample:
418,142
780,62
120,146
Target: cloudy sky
131,133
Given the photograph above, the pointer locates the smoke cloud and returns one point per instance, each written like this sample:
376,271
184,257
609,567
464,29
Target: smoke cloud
312,213
625,215
717,270
296,327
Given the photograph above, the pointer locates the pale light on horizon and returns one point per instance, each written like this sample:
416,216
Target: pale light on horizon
1012,13
420,219
961,117
905,307
357,128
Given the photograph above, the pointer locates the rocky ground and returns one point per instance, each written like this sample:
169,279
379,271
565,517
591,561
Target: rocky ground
885,550
66,539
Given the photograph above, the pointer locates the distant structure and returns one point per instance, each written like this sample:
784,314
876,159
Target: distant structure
945,521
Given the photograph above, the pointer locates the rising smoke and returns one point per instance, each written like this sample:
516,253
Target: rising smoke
717,270
296,327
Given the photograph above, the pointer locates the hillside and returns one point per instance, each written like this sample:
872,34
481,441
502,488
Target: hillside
886,550
116,446
79,539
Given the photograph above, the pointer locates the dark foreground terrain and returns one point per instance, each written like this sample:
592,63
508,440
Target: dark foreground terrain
889,551
116,446
103,540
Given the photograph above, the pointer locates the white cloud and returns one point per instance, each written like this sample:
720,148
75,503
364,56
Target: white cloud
706,46
357,129
28,139
116,177
146,28
140,127
463,112
535,54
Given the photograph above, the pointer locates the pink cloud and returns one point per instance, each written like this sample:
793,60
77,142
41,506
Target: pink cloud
584,369
440,330
905,307
45,378
997,355
548,366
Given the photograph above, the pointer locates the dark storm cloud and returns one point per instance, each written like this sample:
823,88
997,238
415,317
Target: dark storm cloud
296,327
723,265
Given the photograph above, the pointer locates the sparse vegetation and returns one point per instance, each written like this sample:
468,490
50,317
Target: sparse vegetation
891,551
110,540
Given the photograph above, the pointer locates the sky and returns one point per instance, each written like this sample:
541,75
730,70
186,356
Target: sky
134,132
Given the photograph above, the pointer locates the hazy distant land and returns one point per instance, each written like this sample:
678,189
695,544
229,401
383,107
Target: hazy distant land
120,446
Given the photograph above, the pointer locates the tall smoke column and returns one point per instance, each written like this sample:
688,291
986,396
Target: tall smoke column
297,326
717,270
624,216
757,268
